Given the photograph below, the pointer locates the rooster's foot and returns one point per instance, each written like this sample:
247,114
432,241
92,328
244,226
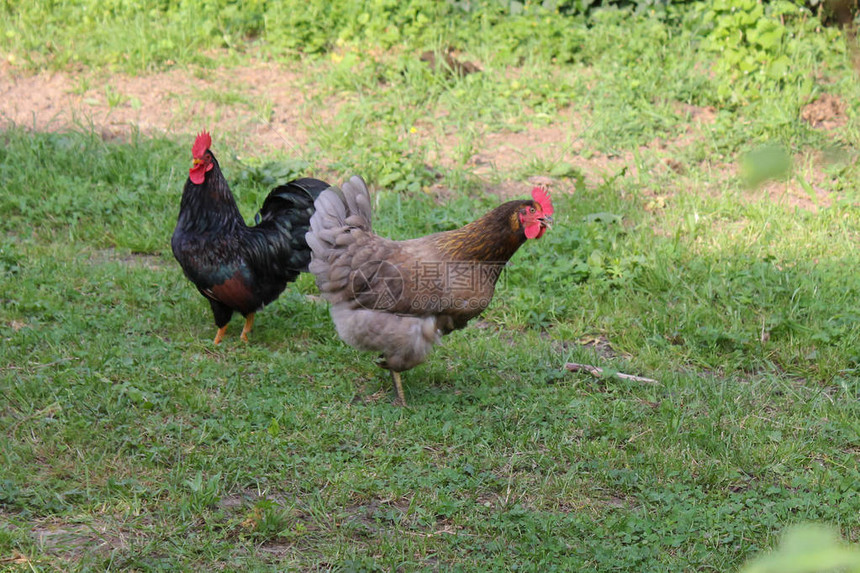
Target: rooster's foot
249,322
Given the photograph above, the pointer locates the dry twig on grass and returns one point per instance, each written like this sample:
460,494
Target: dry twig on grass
598,372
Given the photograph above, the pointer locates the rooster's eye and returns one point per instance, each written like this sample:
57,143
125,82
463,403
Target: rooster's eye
531,210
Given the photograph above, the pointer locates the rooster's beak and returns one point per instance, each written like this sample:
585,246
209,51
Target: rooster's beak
546,221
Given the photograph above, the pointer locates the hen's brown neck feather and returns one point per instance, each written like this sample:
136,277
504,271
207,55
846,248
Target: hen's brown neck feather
495,237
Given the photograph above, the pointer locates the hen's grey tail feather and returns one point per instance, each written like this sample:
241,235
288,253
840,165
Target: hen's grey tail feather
337,210
358,203
337,213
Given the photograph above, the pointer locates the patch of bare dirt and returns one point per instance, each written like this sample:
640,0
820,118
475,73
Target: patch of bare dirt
696,114
601,347
807,189
73,540
263,102
489,152
792,194
826,112
264,107
245,499
697,121
514,189
103,256
448,62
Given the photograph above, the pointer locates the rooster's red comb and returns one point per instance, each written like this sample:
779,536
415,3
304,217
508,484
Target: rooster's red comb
541,197
201,144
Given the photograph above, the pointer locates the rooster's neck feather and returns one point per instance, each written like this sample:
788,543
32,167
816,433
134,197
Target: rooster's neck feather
209,205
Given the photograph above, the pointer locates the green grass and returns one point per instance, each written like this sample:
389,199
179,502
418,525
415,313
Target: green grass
129,442
120,416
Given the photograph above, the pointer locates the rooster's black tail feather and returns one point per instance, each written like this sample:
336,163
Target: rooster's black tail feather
294,198
284,219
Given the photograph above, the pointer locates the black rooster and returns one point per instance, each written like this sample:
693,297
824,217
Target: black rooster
237,267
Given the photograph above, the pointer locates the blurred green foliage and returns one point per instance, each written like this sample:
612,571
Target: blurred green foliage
808,548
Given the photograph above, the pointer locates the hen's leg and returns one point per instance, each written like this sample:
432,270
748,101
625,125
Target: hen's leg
249,322
401,399
220,334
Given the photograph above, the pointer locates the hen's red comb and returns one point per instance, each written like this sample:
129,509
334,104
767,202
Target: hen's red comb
541,197
201,144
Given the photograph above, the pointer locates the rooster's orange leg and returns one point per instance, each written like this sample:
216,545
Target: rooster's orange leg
249,322
220,334
401,398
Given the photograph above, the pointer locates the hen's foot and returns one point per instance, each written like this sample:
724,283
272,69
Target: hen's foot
401,398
